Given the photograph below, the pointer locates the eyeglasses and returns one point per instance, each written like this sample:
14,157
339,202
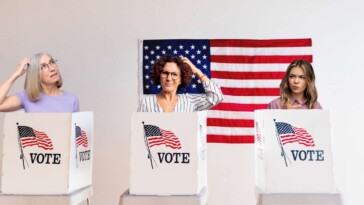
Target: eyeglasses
165,74
45,66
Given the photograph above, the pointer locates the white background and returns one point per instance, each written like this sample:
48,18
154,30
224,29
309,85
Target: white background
96,43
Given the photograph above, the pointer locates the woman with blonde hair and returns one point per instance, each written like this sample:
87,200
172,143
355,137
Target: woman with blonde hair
42,88
297,88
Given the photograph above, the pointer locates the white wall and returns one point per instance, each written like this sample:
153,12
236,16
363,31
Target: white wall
96,45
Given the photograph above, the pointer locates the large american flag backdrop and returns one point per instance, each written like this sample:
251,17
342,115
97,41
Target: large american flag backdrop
248,71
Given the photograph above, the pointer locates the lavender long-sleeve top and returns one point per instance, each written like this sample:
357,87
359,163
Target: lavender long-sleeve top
61,103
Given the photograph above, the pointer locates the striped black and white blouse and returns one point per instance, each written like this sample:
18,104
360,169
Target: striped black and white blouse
187,102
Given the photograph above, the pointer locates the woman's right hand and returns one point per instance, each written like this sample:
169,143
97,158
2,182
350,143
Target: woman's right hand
22,67
12,102
194,69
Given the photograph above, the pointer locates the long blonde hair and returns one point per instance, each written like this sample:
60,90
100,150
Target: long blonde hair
32,84
310,92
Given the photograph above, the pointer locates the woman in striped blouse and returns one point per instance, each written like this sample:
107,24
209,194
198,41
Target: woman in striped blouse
174,73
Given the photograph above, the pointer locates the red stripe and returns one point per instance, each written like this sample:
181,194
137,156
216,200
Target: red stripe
46,147
230,139
156,143
24,145
229,122
258,59
239,107
261,43
251,91
82,141
247,75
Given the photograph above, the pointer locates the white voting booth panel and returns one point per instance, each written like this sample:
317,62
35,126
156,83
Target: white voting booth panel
168,153
47,153
293,151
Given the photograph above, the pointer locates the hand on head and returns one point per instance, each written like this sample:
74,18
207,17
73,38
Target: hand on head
193,67
22,67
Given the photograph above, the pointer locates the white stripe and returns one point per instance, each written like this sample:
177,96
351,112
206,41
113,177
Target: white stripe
248,99
246,67
247,83
229,114
261,51
249,67
229,131
140,70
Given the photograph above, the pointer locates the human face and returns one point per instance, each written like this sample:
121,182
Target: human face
170,77
49,75
297,81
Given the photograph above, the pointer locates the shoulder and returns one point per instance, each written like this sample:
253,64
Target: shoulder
69,95
187,96
148,103
275,104
317,105
148,98
71,100
22,95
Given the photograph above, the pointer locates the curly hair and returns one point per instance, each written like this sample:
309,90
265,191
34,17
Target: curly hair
186,72
310,92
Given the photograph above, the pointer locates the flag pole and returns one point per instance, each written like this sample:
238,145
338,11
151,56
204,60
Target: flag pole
283,153
76,146
147,146
20,146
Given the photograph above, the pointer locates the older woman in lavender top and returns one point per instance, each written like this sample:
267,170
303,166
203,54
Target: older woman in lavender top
42,88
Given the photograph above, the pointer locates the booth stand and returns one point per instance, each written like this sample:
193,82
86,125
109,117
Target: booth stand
46,158
264,198
167,159
80,197
293,158
198,199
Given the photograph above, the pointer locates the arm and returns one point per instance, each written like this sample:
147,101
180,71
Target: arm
12,103
141,107
195,70
213,94
206,101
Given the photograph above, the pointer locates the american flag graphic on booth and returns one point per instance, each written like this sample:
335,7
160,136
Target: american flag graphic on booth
248,71
156,136
81,137
258,133
32,137
291,134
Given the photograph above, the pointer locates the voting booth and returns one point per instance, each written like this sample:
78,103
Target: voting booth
293,151
168,153
46,153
